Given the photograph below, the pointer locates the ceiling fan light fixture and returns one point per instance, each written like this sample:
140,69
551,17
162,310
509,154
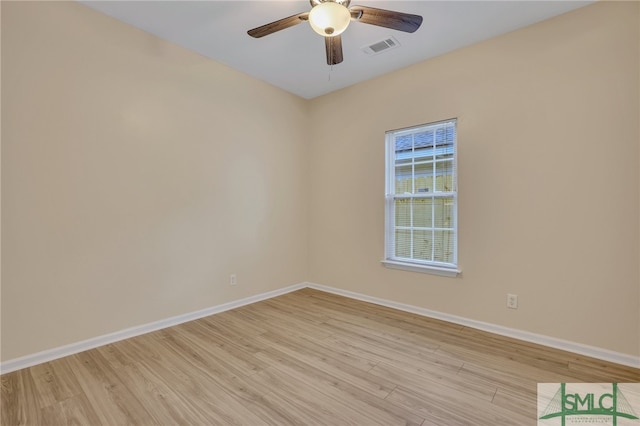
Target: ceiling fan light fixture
329,18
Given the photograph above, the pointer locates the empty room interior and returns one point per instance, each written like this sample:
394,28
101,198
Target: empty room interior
184,242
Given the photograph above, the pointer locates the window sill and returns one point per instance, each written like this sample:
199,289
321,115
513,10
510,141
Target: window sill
425,269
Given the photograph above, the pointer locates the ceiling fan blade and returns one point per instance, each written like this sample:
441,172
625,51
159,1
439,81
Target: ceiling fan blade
386,18
333,46
278,25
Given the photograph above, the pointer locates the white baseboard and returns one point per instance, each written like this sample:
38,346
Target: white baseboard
552,342
74,348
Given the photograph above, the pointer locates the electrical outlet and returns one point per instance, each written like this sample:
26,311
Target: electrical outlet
232,279
512,301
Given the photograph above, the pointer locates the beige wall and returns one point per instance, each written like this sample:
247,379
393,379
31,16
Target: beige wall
548,179
136,177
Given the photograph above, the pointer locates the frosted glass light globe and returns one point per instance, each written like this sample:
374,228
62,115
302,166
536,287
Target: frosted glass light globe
329,19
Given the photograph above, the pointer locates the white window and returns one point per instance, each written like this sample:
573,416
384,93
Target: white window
421,199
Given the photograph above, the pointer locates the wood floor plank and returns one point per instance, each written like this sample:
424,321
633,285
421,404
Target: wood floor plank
307,404
298,408
206,392
515,401
159,398
227,356
303,358
514,376
323,348
377,351
54,382
280,319
334,303
376,386
598,371
76,410
290,306
352,384
112,401
419,380
27,411
444,407
392,335
345,408
330,366
13,404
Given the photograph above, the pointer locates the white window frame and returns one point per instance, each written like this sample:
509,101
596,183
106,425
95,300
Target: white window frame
417,265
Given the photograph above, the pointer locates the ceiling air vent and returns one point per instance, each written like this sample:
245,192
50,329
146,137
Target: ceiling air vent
381,46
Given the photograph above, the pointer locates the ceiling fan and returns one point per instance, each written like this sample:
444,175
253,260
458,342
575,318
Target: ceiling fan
330,18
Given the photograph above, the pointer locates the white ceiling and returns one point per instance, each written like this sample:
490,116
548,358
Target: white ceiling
294,59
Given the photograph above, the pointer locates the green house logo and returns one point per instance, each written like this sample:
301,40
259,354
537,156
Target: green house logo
592,403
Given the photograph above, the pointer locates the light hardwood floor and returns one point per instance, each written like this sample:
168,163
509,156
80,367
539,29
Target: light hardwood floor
307,358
